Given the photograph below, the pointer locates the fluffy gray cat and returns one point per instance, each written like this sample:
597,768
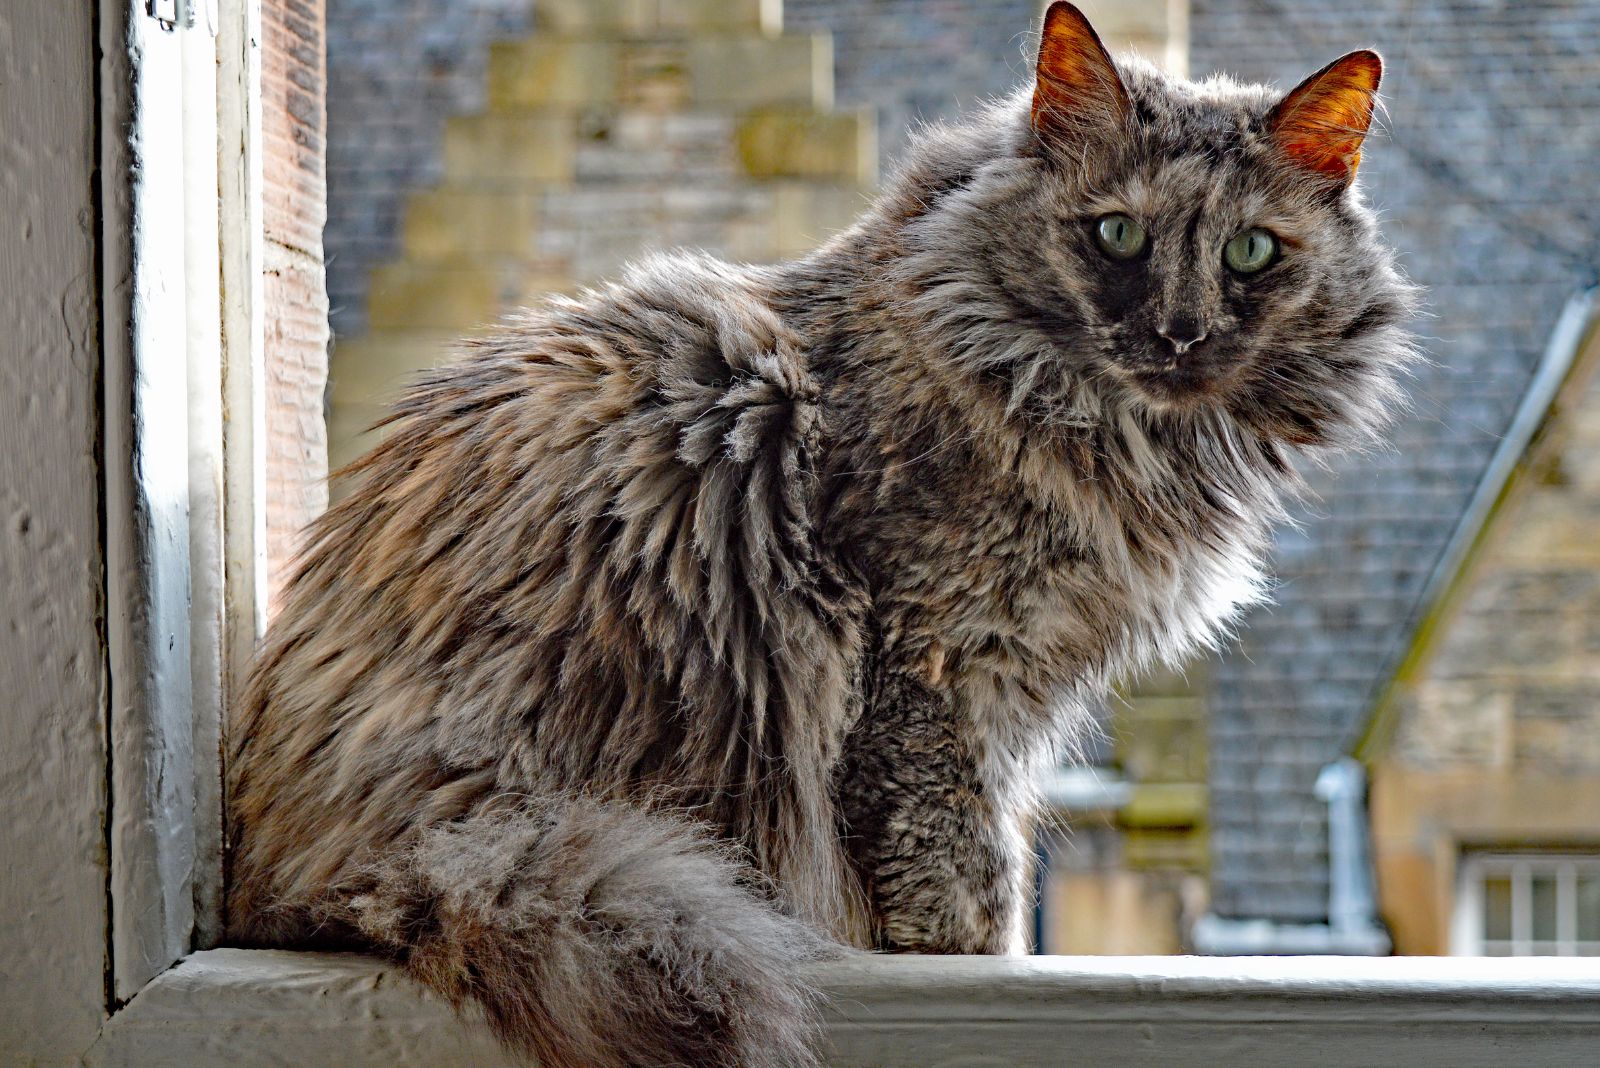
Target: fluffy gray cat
693,628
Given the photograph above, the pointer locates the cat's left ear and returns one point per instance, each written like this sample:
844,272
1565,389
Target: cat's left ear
1077,90
1321,123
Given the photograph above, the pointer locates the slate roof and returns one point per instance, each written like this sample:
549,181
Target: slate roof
1487,180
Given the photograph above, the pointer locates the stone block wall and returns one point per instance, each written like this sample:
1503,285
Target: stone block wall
396,69
1133,879
1496,740
614,128
1100,898
1514,686
400,68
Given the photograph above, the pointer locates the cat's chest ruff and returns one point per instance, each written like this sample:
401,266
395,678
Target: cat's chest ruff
1068,581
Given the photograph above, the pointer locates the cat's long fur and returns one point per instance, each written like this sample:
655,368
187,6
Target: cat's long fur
684,629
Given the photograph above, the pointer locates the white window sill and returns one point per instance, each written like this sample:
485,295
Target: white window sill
247,1008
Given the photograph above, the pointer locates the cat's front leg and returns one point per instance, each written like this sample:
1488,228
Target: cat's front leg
932,824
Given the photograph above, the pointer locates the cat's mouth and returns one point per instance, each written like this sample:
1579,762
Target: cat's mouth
1166,379
1176,384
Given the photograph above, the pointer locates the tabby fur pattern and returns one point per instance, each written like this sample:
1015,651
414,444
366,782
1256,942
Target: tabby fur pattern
686,631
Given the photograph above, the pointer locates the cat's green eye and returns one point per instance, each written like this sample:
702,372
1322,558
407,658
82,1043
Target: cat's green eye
1250,251
1119,236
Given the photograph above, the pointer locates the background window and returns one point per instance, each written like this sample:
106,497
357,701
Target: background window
1529,905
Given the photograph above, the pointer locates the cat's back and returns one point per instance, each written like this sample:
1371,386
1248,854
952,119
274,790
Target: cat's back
606,497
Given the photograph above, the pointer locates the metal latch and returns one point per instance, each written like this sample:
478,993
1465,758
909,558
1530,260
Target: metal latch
164,12
171,14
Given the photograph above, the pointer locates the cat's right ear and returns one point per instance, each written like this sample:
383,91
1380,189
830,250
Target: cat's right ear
1077,91
1320,124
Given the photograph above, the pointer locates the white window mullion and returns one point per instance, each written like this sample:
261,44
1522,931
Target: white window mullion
239,180
152,835
1567,909
1467,927
1521,910
207,608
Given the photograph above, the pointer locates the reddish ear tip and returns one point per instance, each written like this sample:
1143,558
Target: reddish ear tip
1320,123
1059,15
1365,64
1077,86
1062,9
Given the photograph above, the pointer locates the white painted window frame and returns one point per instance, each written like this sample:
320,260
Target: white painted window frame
184,455
144,173
1467,922
185,602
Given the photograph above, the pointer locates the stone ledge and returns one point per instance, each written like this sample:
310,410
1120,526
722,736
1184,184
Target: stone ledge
234,1008
459,224
704,70
656,16
786,142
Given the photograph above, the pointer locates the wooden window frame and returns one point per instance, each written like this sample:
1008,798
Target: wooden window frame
184,456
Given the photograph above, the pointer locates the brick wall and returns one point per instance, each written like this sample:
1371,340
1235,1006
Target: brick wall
294,202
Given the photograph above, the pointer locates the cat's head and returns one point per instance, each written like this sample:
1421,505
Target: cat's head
1183,246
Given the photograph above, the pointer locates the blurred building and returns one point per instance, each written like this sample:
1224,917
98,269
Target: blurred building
1484,173
484,152
1485,750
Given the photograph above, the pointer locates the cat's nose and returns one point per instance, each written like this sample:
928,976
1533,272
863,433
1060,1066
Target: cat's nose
1183,332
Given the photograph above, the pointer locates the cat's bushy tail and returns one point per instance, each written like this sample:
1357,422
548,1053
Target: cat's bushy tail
597,934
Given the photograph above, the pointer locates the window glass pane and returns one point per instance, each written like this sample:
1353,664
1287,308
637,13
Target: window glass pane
1544,908
1496,909
1589,907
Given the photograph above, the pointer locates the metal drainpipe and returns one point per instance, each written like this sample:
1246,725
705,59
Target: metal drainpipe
1352,928
1351,900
